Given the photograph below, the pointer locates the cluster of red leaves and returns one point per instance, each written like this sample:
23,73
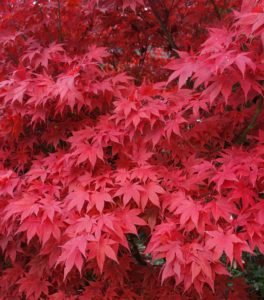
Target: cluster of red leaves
116,174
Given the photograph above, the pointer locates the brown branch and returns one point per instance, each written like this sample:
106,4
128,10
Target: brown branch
216,9
242,138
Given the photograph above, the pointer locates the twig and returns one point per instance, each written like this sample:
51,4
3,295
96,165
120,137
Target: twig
89,26
216,9
242,138
59,22
164,27
135,252
144,51
172,4
44,24
13,58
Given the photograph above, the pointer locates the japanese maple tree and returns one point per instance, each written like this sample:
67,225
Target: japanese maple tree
131,148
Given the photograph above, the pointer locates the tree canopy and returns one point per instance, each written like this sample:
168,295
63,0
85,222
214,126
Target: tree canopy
131,148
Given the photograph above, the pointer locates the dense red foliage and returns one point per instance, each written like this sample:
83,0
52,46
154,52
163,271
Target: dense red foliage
131,149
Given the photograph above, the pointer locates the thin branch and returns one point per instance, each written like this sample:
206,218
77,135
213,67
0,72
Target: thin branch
114,64
164,27
44,24
59,26
87,29
216,9
135,251
144,51
90,24
13,58
242,138
172,4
